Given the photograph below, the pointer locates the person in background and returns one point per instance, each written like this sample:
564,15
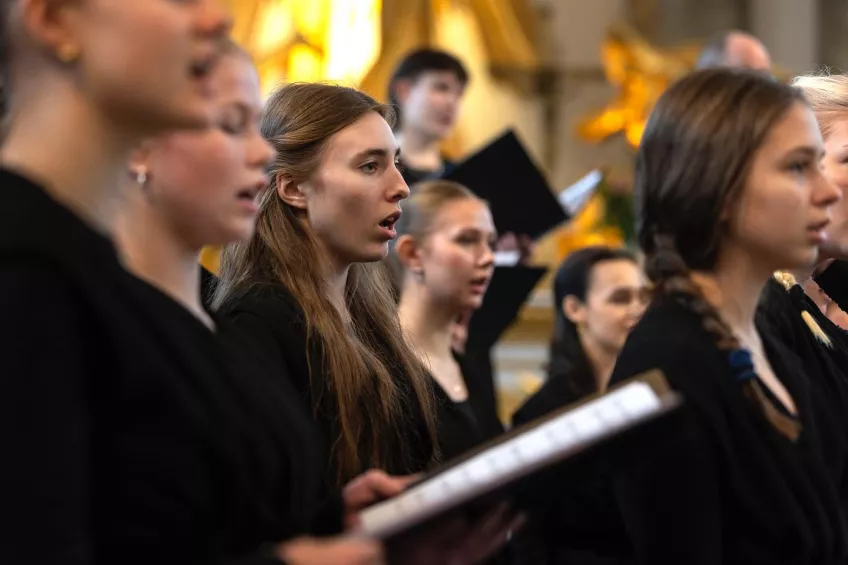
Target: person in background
600,295
445,260
426,90
734,49
742,477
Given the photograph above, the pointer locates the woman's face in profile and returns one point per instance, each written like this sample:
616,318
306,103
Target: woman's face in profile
149,63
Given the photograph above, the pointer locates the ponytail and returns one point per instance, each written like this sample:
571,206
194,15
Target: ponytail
672,279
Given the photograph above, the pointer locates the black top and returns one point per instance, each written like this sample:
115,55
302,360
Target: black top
725,487
781,312
834,281
462,426
581,524
465,425
128,434
273,321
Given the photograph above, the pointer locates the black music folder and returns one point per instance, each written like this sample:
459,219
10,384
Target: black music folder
503,174
498,469
508,291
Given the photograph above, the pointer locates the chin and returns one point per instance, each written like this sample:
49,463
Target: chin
803,259
472,303
373,255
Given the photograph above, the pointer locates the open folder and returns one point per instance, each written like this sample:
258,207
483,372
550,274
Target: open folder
580,429
504,174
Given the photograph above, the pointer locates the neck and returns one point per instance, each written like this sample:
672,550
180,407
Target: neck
78,156
428,323
734,289
154,251
601,361
337,285
417,147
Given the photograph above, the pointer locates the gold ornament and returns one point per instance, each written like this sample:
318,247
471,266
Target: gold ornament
641,73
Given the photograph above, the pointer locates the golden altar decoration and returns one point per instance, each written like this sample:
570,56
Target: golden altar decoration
640,72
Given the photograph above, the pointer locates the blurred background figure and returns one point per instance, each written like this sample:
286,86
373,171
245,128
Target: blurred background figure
735,49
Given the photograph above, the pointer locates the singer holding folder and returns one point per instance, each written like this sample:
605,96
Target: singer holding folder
727,156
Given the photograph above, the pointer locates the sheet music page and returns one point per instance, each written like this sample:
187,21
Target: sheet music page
575,196
513,458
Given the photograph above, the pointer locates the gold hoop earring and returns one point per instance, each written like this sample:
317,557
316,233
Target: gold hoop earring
68,53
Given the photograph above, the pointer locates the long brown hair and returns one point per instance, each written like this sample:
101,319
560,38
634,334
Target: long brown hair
363,359
693,162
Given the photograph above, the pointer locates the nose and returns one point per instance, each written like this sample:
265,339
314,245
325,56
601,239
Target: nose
825,193
213,20
398,189
487,258
261,153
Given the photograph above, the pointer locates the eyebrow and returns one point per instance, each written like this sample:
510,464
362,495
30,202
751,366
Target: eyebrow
375,152
809,150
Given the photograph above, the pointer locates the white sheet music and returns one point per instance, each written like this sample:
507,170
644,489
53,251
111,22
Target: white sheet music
518,456
573,198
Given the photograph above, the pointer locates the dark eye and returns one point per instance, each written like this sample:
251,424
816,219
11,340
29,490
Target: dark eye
799,166
400,165
369,168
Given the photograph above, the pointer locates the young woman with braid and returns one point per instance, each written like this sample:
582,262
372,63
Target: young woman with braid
728,190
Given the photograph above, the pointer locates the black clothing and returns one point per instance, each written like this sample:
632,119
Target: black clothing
726,487
581,524
834,281
131,434
273,321
463,426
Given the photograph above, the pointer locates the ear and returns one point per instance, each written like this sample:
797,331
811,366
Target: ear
402,89
574,310
408,253
51,24
290,192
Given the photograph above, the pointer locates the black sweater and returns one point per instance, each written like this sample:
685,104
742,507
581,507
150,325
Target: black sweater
270,318
726,487
130,433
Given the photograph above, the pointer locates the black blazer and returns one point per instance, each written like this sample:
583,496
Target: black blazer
726,487
270,317
130,433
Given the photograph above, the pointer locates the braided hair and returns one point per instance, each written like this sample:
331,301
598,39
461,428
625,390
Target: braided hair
693,162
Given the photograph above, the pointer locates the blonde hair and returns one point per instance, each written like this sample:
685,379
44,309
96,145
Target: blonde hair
372,372
828,97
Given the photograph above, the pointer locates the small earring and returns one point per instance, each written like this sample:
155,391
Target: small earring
68,53
141,177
